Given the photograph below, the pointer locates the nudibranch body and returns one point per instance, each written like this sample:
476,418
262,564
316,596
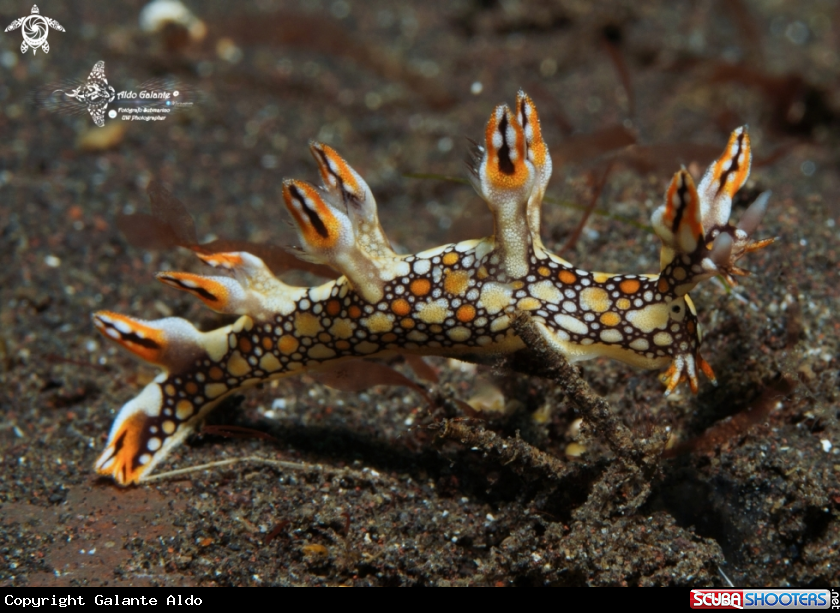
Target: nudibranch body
453,300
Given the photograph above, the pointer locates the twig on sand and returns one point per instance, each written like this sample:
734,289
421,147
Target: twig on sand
638,459
522,457
365,474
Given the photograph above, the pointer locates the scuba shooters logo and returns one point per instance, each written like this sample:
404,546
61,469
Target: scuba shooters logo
760,599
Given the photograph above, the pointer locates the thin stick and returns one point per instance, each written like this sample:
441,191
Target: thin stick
522,457
631,452
587,213
260,460
638,460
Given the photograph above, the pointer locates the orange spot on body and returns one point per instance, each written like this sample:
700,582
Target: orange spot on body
354,311
465,313
287,344
544,271
401,307
390,337
333,307
307,324
450,258
663,286
567,277
191,388
420,287
407,323
629,286
267,343
610,319
245,345
183,409
342,345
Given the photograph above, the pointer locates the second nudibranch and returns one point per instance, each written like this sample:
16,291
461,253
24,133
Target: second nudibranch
453,300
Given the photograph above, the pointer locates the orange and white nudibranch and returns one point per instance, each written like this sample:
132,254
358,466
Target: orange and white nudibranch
452,300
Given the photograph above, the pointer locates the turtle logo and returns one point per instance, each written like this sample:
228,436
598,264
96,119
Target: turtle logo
35,28
95,93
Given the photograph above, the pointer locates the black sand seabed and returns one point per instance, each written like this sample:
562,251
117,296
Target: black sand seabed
373,497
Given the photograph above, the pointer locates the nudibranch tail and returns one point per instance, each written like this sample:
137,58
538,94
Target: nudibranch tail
200,370
151,424
452,300
127,455
146,429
